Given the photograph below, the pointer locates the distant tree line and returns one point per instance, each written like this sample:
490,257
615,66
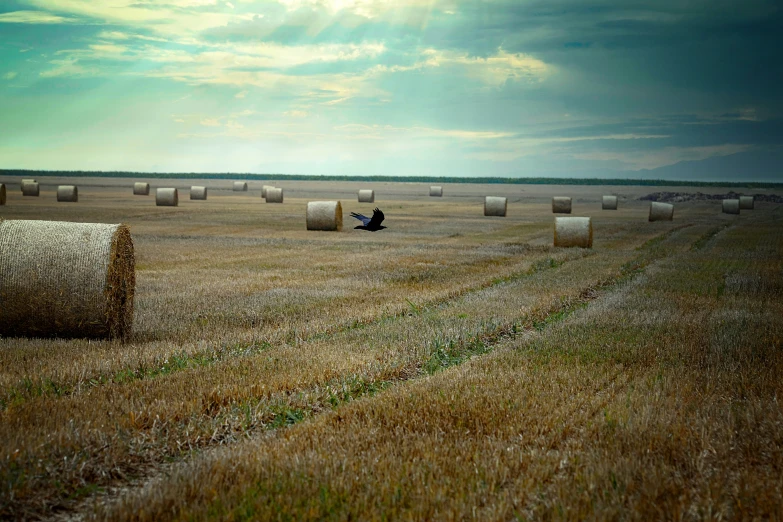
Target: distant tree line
403,179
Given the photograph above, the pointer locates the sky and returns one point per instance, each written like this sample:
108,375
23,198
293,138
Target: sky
388,87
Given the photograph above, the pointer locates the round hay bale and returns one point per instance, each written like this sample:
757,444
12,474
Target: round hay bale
166,197
731,206
66,279
264,188
21,185
661,211
240,186
746,202
68,193
30,188
366,196
436,192
609,203
2,193
495,206
324,215
561,205
574,232
274,195
141,189
198,192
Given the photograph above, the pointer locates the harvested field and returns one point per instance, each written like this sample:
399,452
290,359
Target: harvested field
449,367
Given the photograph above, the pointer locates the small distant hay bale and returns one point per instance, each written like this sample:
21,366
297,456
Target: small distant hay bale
661,211
436,192
274,195
2,193
68,193
240,186
324,215
21,185
574,232
264,188
198,192
731,206
141,189
166,197
609,203
66,279
30,188
495,206
366,196
561,205
746,202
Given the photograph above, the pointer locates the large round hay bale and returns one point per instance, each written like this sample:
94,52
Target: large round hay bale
66,279
324,215
731,206
609,203
495,206
30,188
274,195
264,188
561,205
661,211
574,232
366,196
198,192
240,186
21,185
436,191
166,197
141,189
2,193
68,193
746,202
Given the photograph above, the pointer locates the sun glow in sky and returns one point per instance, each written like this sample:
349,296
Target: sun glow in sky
389,87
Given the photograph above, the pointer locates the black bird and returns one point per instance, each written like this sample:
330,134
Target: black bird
372,224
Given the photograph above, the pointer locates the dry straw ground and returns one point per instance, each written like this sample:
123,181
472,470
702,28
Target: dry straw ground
450,367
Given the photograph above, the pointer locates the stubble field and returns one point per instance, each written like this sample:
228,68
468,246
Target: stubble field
454,366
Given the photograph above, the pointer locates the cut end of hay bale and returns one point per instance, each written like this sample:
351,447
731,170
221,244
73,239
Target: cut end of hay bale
240,186
264,188
274,195
167,197
561,205
746,202
324,215
574,232
2,194
68,193
731,206
495,206
609,203
436,191
66,279
661,211
366,196
198,192
30,188
141,189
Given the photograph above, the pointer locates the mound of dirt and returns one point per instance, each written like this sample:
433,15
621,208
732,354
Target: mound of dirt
677,197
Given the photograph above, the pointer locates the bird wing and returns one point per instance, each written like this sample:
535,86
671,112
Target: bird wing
377,218
364,219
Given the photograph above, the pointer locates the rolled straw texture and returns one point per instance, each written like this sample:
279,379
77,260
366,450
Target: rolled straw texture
574,232
436,192
240,186
609,203
561,205
141,189
324,215
21,185
66,279
746,202
198,192
274,195
495,206
30,188
661,211
366,196
264,188
2,194
731,206
68,193
166,197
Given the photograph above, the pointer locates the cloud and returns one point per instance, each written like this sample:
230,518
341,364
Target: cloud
33,17
241,94
10,75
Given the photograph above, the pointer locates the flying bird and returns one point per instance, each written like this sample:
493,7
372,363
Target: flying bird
372,224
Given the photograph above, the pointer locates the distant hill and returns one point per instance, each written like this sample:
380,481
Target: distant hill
760,166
